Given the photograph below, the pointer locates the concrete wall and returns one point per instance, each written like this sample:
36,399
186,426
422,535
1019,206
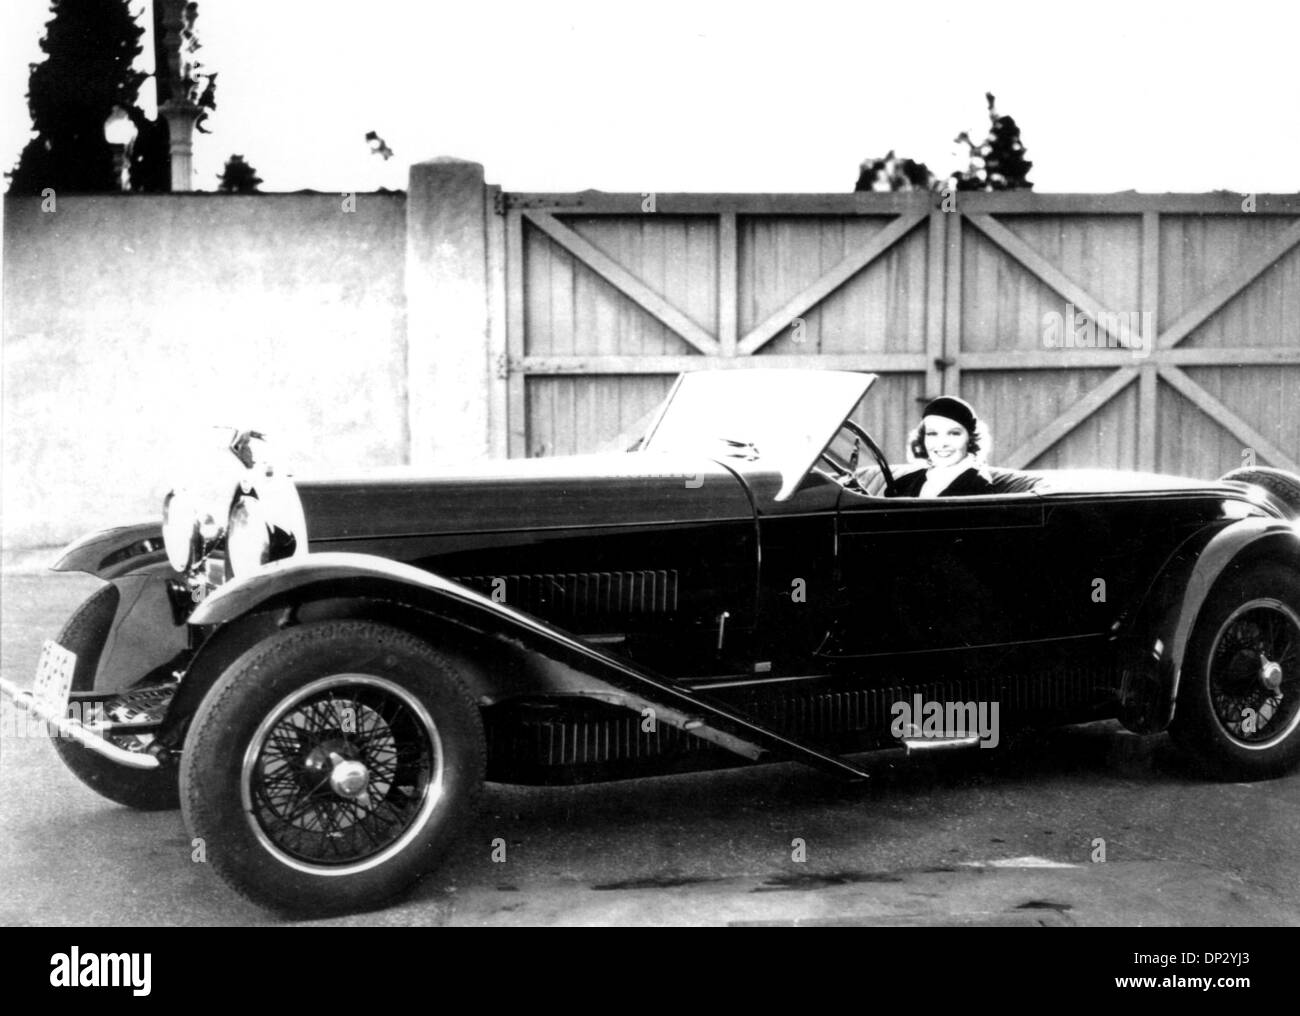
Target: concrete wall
131,322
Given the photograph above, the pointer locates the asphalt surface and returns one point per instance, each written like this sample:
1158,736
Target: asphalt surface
1007,836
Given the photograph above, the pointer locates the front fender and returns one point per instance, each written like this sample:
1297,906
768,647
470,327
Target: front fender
1169,616
110,553
244,594
146,639
285,583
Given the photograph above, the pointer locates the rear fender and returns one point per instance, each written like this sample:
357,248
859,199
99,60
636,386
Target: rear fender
1163,626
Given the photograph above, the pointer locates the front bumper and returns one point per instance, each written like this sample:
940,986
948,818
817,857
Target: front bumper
89,736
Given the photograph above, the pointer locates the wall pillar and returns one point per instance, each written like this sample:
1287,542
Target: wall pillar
447,311
181,118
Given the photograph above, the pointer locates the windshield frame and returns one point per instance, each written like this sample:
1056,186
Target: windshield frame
716,406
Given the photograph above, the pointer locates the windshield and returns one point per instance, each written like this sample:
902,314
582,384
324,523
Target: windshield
781,419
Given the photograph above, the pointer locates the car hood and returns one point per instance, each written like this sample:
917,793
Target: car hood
516,494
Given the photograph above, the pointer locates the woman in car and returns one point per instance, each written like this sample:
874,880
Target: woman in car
953,442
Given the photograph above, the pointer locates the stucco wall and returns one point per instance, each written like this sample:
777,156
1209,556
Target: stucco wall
131,322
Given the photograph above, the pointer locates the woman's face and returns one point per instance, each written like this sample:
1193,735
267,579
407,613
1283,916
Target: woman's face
946,440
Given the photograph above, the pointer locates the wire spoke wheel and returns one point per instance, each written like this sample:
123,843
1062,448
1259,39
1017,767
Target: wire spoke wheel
342,771
331,767
1254,673
1238,707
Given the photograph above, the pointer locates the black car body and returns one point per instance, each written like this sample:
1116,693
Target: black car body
739,588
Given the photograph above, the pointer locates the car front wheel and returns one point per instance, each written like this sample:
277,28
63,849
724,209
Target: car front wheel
1239,695
331,767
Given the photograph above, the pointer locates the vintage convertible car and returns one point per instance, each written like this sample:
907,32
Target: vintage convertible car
323,672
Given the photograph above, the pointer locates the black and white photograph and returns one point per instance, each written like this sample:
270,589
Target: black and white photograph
577,464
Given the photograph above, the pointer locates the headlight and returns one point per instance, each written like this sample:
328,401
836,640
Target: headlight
190,532
178,529
266,524
248,538
238,502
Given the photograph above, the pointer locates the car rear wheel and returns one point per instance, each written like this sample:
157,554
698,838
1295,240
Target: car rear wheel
143,789
1239,695
332,766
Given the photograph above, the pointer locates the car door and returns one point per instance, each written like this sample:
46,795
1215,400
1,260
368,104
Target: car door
937,575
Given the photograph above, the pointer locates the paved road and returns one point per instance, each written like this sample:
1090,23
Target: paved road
980,837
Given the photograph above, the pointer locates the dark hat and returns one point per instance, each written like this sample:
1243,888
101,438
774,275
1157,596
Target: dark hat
952,408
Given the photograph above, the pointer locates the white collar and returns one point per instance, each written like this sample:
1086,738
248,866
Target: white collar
950,472
937,478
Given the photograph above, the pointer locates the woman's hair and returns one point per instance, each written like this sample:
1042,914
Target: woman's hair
979,446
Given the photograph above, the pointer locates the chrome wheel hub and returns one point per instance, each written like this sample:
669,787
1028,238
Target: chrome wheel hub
1270,674
348,778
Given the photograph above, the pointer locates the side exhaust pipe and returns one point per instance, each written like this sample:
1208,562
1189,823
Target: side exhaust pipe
939,743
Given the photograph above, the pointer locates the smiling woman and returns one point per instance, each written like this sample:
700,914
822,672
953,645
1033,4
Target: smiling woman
954,443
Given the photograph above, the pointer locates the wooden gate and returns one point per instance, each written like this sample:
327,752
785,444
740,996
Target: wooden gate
1207,380
1182,352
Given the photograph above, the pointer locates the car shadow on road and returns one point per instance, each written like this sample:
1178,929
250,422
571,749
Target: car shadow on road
692,828
1101,750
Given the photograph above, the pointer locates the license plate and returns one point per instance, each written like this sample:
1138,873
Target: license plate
54,679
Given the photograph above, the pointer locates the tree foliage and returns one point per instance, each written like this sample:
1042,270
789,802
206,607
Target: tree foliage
238,177
997,163
90,47
893,174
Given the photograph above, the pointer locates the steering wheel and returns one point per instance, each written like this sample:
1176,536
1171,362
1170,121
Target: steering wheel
849,474
841,472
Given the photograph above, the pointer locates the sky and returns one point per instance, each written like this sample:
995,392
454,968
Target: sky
710,96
